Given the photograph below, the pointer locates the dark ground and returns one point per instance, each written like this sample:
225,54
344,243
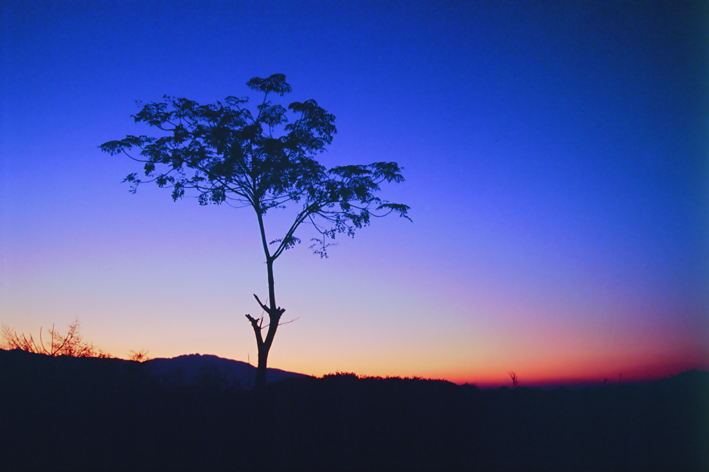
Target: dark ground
87,414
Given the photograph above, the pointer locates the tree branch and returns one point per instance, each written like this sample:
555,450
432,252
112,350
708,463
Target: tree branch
257,329
273,315
265,308
308,211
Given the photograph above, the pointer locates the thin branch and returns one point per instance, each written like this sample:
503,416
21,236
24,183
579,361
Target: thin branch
284,323
135,159
289,322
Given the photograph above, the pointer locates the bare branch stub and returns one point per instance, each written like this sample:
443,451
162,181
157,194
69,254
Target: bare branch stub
273,314
254,321
257,329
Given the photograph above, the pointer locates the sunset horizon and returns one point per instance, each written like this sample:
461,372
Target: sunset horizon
553,155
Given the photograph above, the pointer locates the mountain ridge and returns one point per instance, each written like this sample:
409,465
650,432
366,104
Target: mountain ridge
191,369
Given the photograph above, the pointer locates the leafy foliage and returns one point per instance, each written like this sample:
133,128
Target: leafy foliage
264,159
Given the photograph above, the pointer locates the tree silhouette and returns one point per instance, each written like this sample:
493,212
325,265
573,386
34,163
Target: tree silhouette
226,153
515,379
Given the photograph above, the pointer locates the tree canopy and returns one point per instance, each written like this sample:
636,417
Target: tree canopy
264,160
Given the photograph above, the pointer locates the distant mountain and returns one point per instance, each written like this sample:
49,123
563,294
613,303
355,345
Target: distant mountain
206,370
193,369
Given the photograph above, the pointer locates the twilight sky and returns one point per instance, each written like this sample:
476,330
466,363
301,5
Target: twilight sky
555,159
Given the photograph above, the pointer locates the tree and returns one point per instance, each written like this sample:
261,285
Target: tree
515,379
225,153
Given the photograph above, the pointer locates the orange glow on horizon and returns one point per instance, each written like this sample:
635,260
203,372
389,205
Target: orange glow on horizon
592,372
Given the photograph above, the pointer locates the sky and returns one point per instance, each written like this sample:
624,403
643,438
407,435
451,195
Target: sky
556,157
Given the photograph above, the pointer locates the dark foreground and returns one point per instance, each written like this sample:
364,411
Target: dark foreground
68,414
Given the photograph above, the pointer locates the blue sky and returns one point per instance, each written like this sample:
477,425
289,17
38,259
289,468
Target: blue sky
556,166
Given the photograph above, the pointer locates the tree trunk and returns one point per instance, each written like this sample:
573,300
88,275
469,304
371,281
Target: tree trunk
274,313
261,369
274,317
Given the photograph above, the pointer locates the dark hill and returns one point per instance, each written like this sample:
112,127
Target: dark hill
69,414
200,369
181,371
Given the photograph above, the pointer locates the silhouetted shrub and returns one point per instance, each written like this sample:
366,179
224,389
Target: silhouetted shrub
70,344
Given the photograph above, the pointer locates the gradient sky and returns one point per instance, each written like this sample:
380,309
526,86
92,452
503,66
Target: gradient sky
555,157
